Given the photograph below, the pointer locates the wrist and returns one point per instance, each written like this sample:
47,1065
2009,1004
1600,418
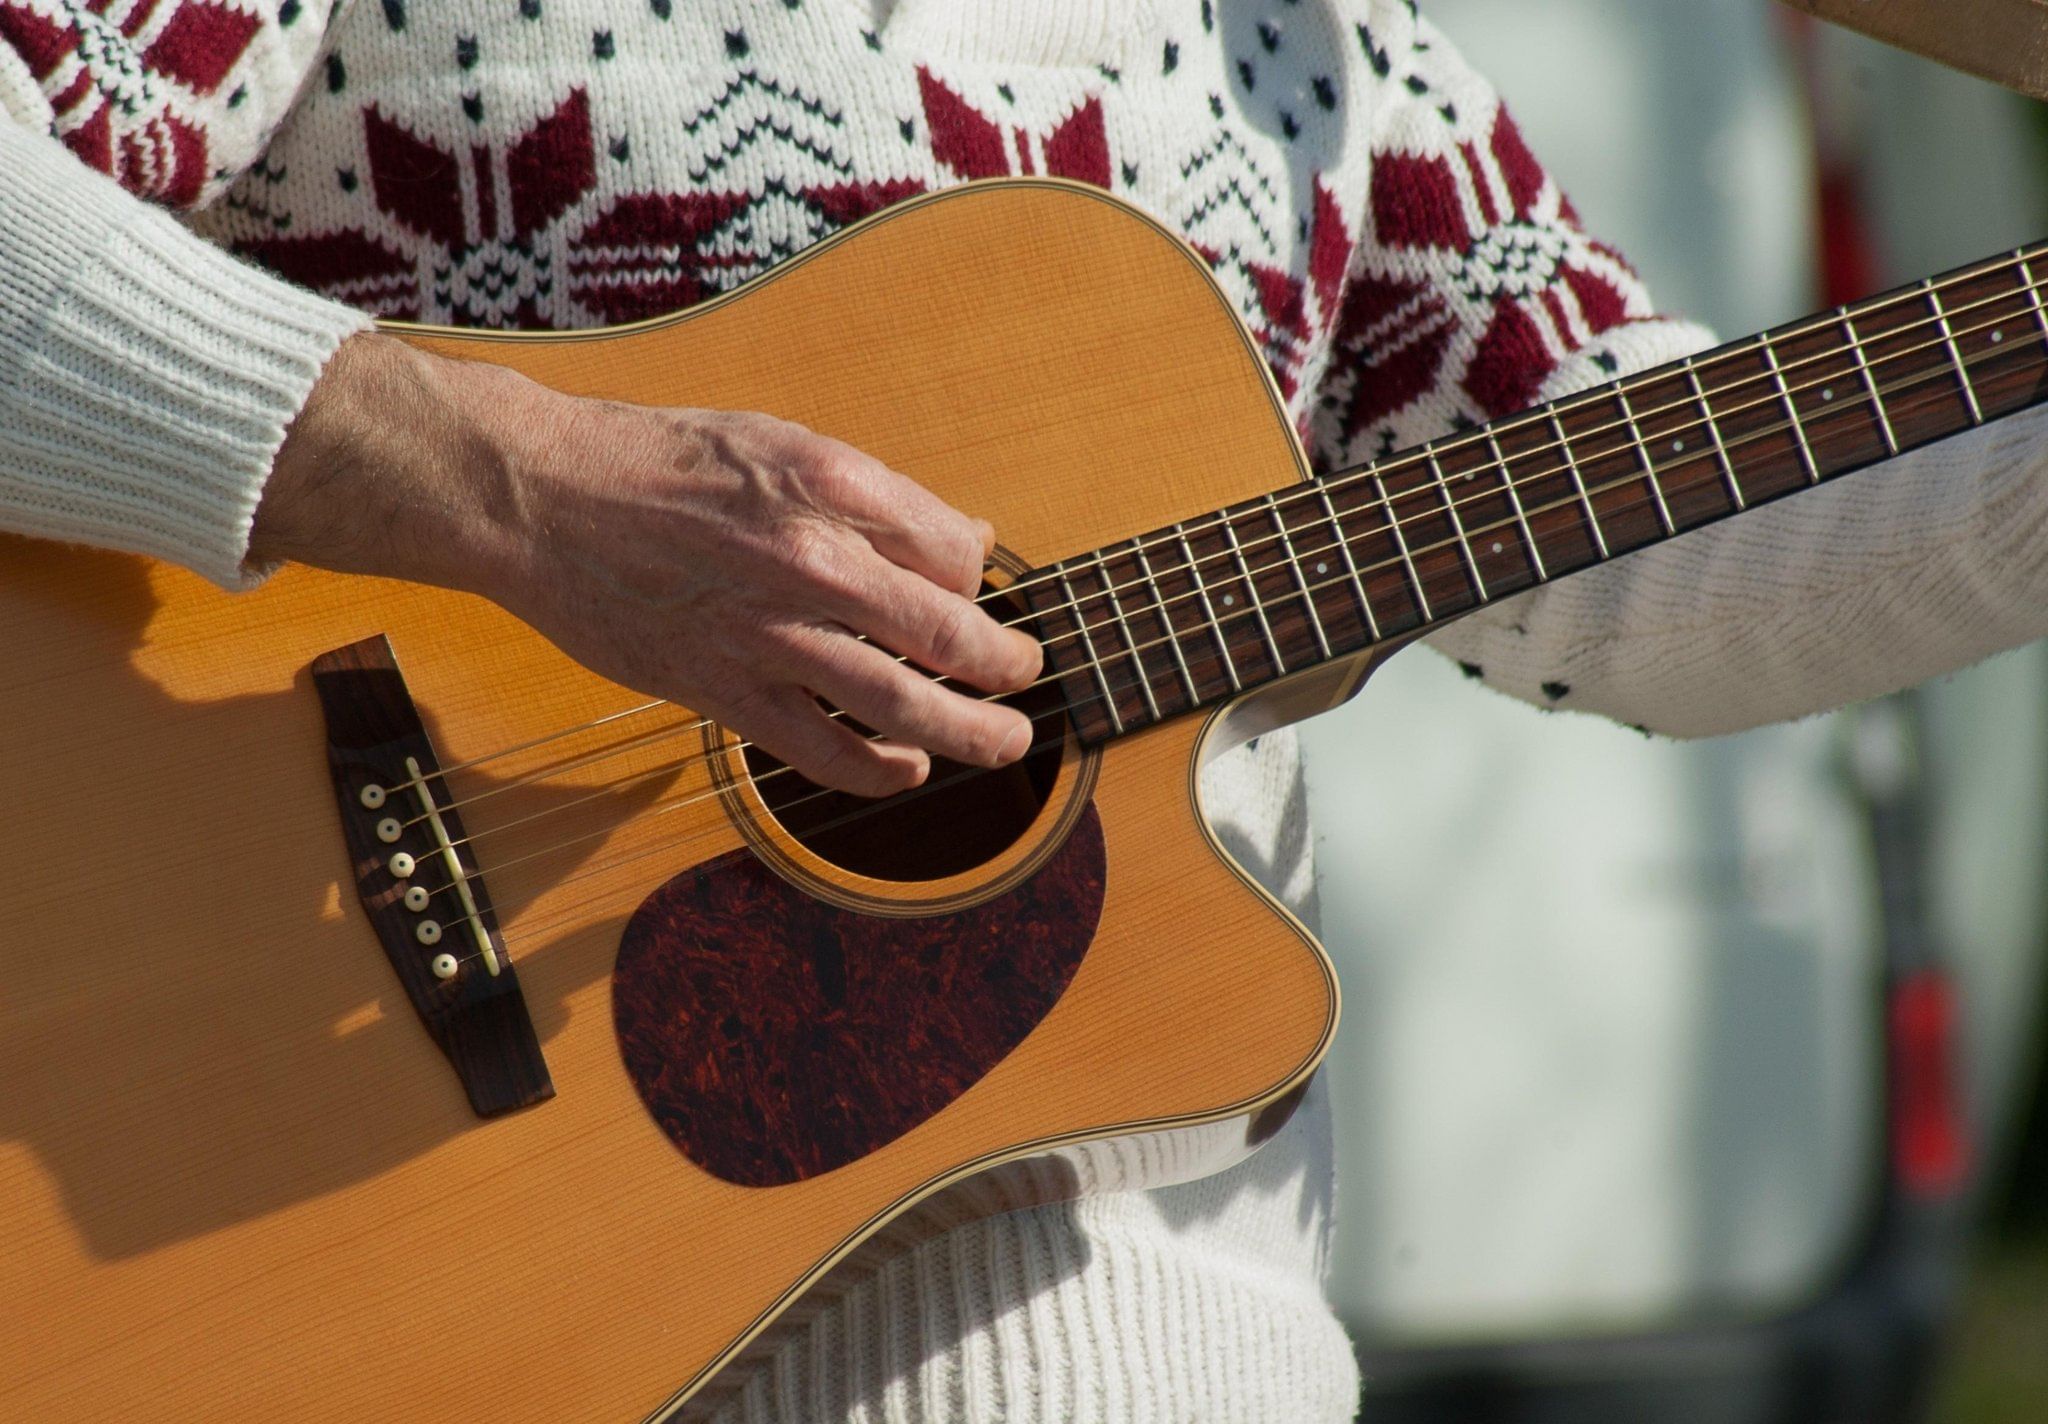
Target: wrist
398,466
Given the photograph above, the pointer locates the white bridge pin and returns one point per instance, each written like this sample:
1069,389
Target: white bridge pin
400,865
429,932
388,830
444,966
416,898
373,796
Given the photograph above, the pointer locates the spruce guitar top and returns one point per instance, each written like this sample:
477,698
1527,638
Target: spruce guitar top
398,1020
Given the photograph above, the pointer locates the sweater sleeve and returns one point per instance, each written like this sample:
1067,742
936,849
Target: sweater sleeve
146,378
1475,293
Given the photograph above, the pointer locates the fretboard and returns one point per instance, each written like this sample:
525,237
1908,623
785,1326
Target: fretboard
1180,618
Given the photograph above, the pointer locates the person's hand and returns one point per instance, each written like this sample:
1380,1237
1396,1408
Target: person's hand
722,560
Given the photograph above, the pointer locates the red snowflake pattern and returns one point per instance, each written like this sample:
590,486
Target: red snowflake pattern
472,238
469,254
1465,263
118,92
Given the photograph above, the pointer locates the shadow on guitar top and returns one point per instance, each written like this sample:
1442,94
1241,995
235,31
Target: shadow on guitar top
197,1026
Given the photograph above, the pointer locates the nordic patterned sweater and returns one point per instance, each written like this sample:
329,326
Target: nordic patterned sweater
1403,260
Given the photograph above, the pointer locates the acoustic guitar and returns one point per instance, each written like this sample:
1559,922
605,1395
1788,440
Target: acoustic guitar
398,1021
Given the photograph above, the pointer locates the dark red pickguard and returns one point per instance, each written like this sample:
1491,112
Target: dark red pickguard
774,1036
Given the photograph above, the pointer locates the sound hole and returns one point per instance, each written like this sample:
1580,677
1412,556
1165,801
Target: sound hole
961,817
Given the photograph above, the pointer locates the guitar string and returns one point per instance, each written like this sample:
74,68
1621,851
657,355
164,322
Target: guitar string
1842,317
873,808
579,908
1123,654
571,914
1109,625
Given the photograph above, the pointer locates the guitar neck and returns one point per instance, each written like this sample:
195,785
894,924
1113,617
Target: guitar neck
1186,616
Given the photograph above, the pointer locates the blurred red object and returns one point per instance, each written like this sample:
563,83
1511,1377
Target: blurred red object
1846,258
1930,1144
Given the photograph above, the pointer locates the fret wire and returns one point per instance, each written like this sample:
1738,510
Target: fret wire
1315,618
1692,378
1116,608
1884,420
1908,383
2026,265
1571,466
1166,620
1372,624
1628,415
1209,608
1591,398
1954,355
1507,482
1618,484
1791,410
1401,543
1116,720
1774,370
1251,593
1369,472
1458,527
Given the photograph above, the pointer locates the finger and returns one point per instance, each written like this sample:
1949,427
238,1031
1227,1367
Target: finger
788,724
904,704
915,529
945,633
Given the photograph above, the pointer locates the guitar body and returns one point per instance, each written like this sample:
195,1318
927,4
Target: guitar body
239,1178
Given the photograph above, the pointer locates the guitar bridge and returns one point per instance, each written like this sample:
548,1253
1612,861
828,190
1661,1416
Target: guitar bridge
424,899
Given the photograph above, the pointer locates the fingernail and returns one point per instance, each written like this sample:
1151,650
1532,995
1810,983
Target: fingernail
1013,745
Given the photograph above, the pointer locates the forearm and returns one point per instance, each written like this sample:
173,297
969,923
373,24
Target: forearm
146,379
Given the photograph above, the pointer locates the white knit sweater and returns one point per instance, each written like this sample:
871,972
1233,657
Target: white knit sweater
1403,261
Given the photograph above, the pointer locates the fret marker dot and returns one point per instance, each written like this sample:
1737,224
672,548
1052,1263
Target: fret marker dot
1827,393
1322,568
1996,337
1228,599
1678,444
1496,546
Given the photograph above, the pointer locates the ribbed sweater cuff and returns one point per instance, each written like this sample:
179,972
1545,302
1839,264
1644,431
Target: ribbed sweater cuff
146,378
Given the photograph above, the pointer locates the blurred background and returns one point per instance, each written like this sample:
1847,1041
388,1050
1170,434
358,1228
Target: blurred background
1703,1081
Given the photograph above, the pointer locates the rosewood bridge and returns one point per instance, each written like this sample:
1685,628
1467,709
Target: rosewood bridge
449,957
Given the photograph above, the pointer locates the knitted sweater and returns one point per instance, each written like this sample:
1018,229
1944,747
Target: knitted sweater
1364,199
